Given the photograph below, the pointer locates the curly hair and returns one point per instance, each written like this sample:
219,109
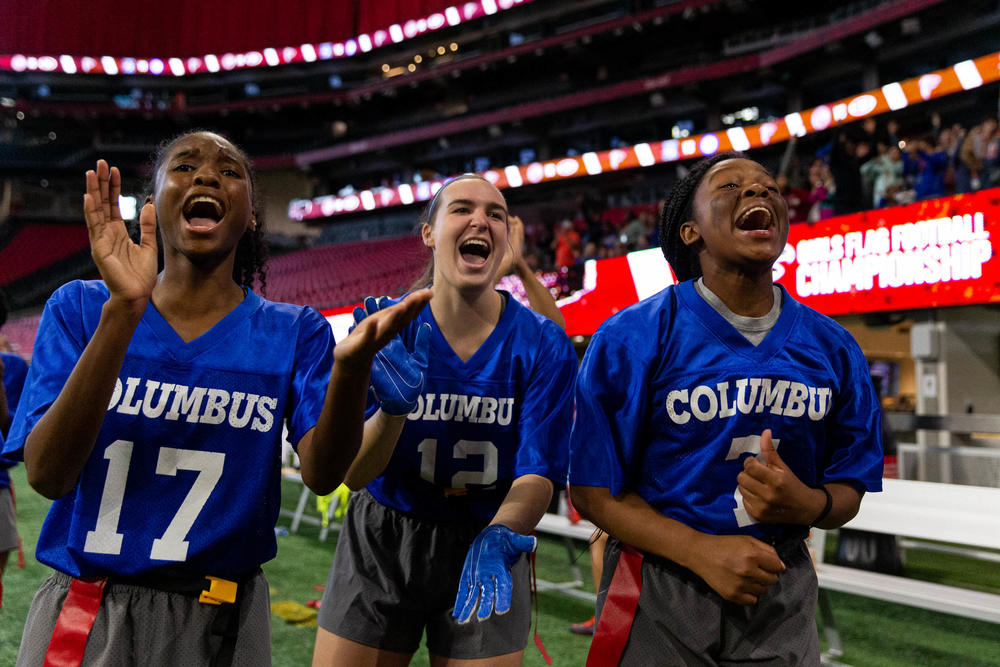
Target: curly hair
250,263
678,209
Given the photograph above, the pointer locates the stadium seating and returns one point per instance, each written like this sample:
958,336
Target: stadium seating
338,275
323,277
39,245
21,333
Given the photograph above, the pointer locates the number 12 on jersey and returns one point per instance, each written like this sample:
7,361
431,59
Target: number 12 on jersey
463,449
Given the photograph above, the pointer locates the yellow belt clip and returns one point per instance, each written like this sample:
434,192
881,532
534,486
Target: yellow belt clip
221,590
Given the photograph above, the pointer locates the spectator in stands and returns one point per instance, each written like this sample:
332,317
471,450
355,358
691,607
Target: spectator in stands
654,237
974,157
822,188
706,563
797,199
631,230
991,160
594,222
566,245
537,239
636,230
885,173
924,164
892,132
847,155
113,409
468,421
950,140
590,251
875,138
609,235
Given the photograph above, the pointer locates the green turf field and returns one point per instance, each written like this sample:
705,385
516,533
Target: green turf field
873,633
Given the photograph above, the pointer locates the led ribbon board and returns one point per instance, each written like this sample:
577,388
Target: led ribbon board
941,252
965,75
269,57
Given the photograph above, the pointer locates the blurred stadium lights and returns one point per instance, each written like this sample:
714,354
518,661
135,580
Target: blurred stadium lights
128,206
874,40
67,64
961,76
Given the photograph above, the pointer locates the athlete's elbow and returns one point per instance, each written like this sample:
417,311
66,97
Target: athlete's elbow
356,482
318,483
52,487
588,500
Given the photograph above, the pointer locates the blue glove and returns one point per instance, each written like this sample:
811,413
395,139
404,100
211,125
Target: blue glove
486,574
397,374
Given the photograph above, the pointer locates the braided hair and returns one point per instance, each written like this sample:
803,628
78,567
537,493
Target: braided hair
678,209
250,263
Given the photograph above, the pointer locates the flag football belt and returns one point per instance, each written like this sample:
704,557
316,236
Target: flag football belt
615,624
79,609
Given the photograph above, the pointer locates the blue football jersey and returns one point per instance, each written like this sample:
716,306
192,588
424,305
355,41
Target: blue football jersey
15,369
185,473
671,398
480,424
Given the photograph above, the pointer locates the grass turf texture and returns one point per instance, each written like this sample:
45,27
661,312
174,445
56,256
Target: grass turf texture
873,632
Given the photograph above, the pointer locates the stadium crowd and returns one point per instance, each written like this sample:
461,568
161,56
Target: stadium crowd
870,165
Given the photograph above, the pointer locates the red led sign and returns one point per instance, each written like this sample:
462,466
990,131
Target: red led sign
942,252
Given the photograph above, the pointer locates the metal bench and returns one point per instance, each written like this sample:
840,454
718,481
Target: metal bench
964,516
571,533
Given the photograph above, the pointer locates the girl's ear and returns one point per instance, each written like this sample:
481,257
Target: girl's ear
427,234
689,233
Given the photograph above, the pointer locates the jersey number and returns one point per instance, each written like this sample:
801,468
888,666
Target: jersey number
105,538
749,444
462,450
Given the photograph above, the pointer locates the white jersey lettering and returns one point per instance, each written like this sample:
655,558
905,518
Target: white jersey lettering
752,395
205,405
463,408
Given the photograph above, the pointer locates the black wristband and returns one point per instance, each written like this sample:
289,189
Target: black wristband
827,507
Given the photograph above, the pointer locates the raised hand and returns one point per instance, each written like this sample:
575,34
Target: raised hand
772,492
738,567
128,269
397,375
486,580
515,245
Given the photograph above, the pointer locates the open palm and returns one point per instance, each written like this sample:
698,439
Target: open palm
376,329
128,269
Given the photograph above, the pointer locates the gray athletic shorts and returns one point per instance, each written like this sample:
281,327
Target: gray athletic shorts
136,625
8,521
393,575
680,620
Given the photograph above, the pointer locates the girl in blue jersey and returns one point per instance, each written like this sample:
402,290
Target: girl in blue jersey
466,436
716,422
152,416
13,370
